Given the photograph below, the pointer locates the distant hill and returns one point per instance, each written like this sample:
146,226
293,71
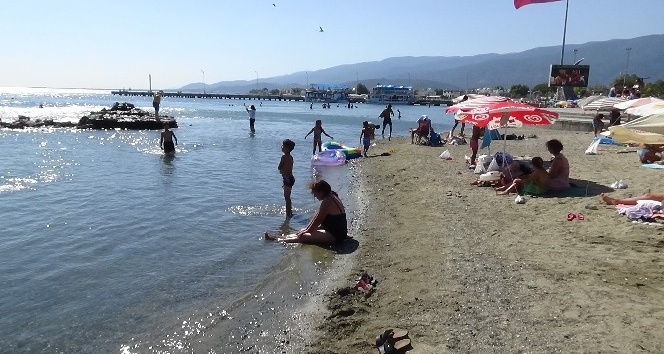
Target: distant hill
607,60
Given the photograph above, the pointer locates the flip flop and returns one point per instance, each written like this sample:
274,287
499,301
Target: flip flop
396,348
571,216
580,217
391,335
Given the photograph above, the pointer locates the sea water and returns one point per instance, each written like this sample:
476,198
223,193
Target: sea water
108,246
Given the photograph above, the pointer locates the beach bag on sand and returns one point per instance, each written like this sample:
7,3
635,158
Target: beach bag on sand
446,155
493,166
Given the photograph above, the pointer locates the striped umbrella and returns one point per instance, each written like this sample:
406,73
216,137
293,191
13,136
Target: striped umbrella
603,104
475,103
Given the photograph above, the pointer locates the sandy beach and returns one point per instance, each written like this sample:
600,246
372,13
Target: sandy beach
467,271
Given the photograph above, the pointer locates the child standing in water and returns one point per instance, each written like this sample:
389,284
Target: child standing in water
166,140
317,130
366,135
286,170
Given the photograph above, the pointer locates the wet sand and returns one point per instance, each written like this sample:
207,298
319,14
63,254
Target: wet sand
468,271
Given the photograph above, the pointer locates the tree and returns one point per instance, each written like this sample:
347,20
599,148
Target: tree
361,89
274,92
544,89
653,89
296,91
518,91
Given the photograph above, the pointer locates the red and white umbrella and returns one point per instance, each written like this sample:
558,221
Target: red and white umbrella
475,103
506,114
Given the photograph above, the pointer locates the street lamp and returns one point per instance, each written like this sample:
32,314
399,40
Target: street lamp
627,50
575,50
203,80
256,79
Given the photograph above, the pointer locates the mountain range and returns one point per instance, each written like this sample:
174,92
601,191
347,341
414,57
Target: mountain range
607,60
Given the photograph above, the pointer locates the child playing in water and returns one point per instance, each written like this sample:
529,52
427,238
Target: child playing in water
368,131
535,183
317,130
166,140
286,170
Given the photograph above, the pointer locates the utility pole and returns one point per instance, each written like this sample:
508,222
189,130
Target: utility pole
627,50
203,80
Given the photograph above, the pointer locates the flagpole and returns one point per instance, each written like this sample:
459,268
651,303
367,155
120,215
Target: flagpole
562,55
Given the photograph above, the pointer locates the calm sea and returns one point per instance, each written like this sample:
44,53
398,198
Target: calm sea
106,246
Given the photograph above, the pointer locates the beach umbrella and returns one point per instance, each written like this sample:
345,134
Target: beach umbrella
625,135
653,123
603,104
475,103
637,103
646,109
585,101
509,114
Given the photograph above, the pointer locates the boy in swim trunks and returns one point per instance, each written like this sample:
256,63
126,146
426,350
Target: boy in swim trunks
166,140
365,136
286,170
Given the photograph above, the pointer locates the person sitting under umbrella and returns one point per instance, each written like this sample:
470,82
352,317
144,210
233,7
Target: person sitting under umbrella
648,153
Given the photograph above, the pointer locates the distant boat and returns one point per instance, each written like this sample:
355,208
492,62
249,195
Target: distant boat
392,94
327,93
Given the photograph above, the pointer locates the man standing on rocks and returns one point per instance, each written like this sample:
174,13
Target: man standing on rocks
156,100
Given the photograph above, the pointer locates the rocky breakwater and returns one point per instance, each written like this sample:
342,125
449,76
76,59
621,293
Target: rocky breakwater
124,116
120,115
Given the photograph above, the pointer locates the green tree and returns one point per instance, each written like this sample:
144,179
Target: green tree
544,89
628,80
655,89
519,91
296,91
274,92
360,89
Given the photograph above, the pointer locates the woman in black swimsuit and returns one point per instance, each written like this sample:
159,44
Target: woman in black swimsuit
328,226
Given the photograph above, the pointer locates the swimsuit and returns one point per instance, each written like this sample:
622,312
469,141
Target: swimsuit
289,180
337,225
169,146
366,142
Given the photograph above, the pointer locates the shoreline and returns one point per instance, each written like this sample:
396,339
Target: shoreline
467,271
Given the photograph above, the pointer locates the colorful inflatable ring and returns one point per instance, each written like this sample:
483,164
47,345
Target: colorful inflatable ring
329,158
350,152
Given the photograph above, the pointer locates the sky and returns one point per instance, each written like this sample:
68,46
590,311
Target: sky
118,44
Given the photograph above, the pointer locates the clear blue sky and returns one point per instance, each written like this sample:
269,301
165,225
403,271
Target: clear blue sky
116,44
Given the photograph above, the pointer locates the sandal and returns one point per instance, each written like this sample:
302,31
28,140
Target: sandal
391,335
580,217
571,216
396,348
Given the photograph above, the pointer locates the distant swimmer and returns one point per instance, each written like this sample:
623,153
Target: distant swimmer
166,140
274,5
321,29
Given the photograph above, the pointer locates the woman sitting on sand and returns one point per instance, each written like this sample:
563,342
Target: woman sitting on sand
559,170
328,226
535,183
648,152
632,201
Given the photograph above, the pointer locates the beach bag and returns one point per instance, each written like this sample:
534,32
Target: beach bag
493,166
434,139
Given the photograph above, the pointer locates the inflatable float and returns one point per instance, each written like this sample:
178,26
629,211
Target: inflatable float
350,152
329,158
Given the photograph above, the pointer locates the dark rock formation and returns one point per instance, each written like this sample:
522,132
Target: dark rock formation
120,115
124,116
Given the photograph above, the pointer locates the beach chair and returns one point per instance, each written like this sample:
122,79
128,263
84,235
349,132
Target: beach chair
422,132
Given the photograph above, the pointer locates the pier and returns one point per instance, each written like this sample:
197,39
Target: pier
229,96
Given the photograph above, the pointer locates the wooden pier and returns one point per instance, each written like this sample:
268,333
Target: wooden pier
229,96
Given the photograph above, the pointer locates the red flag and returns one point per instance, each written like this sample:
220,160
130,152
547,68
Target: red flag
519,3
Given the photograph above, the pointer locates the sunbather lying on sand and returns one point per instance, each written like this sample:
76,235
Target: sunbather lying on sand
632,201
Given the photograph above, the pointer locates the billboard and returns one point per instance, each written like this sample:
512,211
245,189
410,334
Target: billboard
569,75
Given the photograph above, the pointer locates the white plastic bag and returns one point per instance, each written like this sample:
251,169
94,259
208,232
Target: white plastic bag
446,155
520,199
619,185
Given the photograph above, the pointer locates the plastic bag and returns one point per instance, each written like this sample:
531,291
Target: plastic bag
619,185
520,199
446,155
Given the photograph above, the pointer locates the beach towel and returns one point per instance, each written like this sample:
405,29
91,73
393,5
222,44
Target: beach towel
653,165
592,149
